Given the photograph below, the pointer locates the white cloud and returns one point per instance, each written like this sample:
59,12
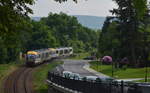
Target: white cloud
83,7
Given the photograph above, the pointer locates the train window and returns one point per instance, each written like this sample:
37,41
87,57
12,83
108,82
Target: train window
61,51
54,52
46,54
57,52
31,56
42,55
51,52
70,50
66,51
37,56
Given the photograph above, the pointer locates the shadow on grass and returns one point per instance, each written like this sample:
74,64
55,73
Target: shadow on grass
42,91
46,91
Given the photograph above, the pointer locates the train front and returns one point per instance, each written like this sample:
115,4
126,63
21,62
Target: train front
31,58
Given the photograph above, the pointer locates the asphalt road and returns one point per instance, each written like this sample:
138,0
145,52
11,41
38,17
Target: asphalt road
76,66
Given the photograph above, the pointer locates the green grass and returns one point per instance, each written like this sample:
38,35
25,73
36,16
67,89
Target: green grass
120,73
142,80
40,76
80,56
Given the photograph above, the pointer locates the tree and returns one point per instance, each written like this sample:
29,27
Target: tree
12,16
18,33
129,18
11,13
67,31
41,37
109,41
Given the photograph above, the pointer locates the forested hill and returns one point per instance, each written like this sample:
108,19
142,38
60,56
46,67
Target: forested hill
92,22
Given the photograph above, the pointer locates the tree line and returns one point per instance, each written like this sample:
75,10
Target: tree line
127,33
56,30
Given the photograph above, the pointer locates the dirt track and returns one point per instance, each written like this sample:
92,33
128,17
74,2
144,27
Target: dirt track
20,81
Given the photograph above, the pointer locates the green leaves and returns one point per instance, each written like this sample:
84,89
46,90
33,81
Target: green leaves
69,32
124,36
141,8
12,14
18,33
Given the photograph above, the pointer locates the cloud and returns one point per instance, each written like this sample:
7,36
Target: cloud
83,7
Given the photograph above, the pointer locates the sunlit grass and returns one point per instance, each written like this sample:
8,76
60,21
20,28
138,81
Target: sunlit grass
120,73
148,80
40,76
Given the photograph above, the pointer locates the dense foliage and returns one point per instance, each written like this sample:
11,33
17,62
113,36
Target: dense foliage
56,30
69,32
11,14
127,33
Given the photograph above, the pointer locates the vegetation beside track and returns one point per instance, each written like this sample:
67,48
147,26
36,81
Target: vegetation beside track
119,73
148,80
80,56
5,70
40,76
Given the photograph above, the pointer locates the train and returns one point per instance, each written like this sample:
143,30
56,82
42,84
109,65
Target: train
35,57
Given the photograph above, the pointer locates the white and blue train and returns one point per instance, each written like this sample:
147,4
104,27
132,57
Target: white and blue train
39,56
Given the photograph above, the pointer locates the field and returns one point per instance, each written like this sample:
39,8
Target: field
119,73
40,76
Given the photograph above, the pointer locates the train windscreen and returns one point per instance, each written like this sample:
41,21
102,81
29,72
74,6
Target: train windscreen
31,57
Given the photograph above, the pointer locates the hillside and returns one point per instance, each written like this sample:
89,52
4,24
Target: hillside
92,22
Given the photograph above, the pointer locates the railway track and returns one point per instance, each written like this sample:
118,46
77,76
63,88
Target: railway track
19,81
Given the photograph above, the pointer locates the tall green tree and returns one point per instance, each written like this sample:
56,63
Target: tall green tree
129,17
109,41
11,13
41,37
67,31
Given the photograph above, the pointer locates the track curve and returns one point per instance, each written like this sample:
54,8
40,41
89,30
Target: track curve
20,81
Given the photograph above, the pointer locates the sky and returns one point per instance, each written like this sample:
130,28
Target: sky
42,8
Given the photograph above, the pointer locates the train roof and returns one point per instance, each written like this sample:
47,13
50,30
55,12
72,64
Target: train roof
64,48
52,49
32,52
37,51
46,50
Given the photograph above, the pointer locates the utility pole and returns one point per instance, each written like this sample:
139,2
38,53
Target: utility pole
112,69
112,64
145,56
146,71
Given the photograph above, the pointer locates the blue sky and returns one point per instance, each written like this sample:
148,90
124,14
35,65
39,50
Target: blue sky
83,7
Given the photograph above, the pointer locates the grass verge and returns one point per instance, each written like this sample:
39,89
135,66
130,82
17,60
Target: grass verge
119,73
40,76
5,70
148,80
80,56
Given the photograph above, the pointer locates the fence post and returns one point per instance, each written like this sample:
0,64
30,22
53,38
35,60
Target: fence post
122,86
110,87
